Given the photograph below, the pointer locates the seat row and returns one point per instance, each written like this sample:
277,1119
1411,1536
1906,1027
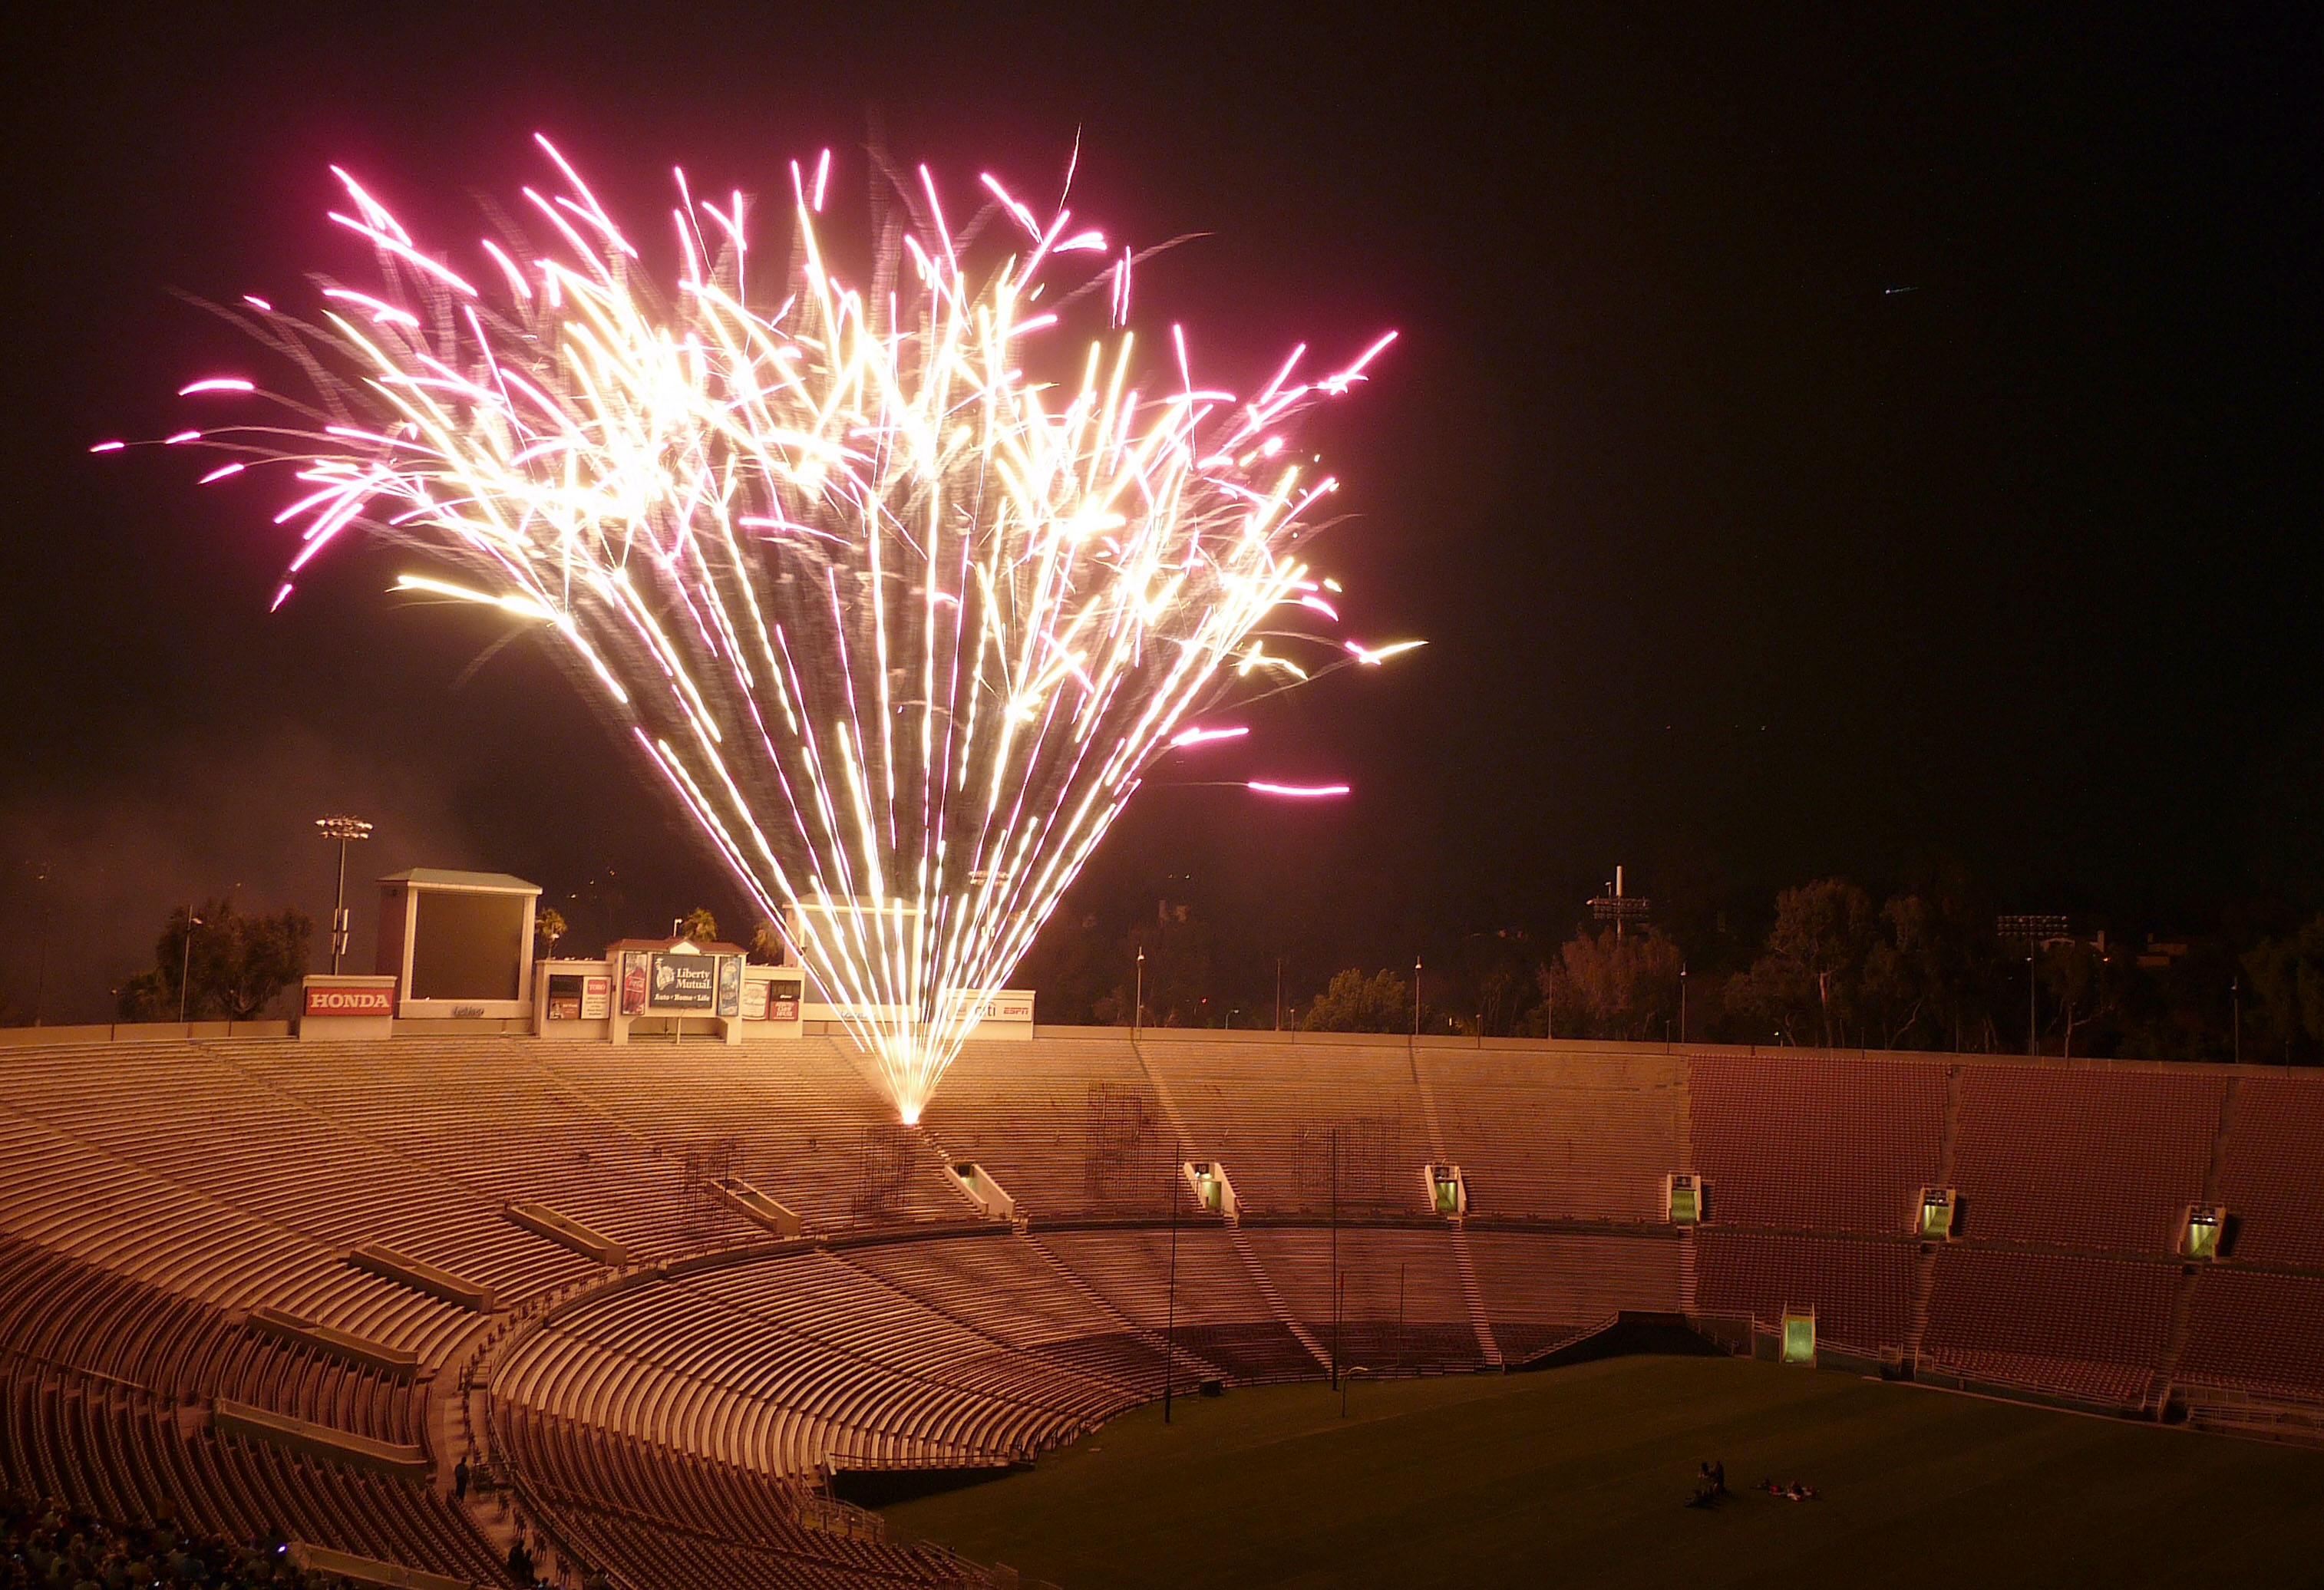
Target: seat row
126,1455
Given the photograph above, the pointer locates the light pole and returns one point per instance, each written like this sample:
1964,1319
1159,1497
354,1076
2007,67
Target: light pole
40,989
185,962
1137,1004
1681,1003
2236,989
346,830
1336,1258
1170,1320
1416,998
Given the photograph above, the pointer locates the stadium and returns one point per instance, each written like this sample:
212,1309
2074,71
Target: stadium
682,1312
1160,524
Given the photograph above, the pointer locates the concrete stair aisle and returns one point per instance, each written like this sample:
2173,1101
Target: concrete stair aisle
1265,1286
1428,1109
943,1163
2182,1310
2219,1164
454,1423
1170,1106
1473,1293
1924,1281
1203,1368
2182,1302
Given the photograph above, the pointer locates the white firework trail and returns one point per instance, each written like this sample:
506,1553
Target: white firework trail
899,626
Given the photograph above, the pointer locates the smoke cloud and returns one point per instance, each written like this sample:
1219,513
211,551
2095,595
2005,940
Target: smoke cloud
91,876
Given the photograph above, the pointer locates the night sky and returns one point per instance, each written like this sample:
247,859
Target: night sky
1845,447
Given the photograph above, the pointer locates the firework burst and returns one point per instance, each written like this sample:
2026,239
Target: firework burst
900,626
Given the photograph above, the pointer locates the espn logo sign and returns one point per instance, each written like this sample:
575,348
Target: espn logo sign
329,1001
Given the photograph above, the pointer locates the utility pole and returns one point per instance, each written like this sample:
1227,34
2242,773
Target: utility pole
185,962
2033,1009
1336,1258
1170,1318
347,831
40,989
1400,1271
1340,1306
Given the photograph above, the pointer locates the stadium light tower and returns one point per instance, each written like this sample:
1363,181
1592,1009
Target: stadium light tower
2035,932
1619,908
346,830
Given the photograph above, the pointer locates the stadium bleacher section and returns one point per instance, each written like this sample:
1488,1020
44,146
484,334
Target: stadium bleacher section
1543,1289
1560,1131
1860,1289
2274,1167
2100,1158
659,1387
1816,1143
2094,1327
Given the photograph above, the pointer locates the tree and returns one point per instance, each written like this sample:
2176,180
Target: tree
1612,985
2286,980
699,925
548,926
1354,1003
233,965
1809,978
1930,981
766,945
1494,982
2082,986
1177,980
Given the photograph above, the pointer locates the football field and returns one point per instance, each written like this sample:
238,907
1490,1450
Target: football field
1580,1475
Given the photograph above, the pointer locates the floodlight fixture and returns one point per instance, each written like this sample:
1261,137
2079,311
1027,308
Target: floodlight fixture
346,830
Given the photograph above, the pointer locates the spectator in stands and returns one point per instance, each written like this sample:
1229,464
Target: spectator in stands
1718,1475
56,1546
520,1562
460,1480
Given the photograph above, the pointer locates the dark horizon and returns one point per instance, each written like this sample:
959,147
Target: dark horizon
1819,449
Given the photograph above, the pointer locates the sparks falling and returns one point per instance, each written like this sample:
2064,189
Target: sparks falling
897,624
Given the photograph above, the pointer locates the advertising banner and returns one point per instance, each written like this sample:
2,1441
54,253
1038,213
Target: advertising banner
633,983
342,1001
782,1002
596,996
684,983
1013,1006
730,986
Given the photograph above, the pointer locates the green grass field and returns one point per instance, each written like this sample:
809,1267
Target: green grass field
1579,1475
